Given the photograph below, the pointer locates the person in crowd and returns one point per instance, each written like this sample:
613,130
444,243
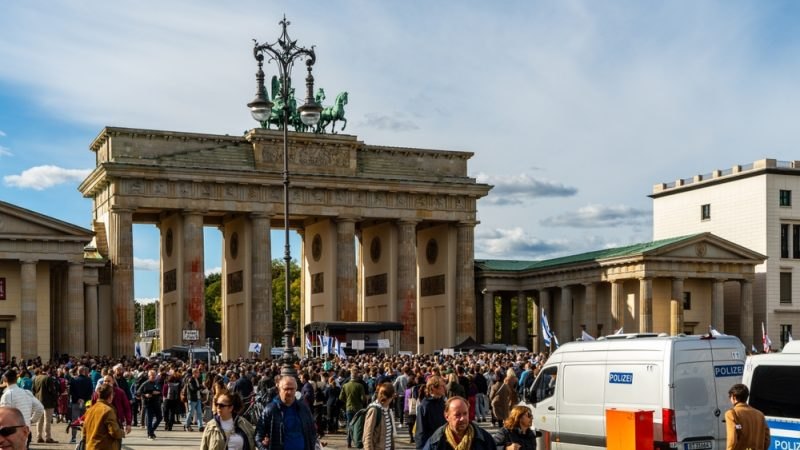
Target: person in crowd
80,392
120,402
746,426
459,433
192,388
353,395
481,397
454,388
332,404
499,398
21,399
63,408
24,380
517,431
228,430
150,392
171,394
414,394
378,420
101,430
286,424
13,431
46,389
430,414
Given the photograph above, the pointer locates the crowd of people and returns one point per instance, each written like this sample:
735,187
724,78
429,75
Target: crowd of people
248,401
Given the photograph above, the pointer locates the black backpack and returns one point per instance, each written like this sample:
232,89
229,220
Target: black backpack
173,391
53,386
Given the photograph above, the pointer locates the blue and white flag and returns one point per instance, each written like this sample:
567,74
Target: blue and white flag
619,331
586,336
753,349
309,347
326,344
339,349
547,335
555,339
137,350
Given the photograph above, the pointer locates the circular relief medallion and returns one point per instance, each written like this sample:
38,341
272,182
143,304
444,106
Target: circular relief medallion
234,247
700,249
375,249
316,247
432,251
168,242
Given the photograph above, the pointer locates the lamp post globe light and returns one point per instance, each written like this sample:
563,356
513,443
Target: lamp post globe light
284,52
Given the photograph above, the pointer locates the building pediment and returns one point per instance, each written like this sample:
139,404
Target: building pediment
705,246
20,223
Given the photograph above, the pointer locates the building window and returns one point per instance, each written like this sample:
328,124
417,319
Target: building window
687,301
786,332
705,212
785,198
786,287
784,240
796,241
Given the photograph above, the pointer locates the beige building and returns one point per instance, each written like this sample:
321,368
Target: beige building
672,285
753,206
51,301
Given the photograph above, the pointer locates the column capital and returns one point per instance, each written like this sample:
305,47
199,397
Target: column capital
261,215
347,218
467,223
589,283
193,212
117,209
28,260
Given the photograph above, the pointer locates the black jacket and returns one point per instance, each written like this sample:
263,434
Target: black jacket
482,440
270,424
429,418
504,437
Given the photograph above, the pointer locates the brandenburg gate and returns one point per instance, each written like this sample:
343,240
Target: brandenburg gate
387,233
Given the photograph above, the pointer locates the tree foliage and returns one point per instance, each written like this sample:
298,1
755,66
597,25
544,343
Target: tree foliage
278,297
149,316
214,298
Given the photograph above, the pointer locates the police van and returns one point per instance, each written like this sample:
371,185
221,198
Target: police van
774,383
684,380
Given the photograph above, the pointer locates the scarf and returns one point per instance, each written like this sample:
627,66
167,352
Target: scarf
466,440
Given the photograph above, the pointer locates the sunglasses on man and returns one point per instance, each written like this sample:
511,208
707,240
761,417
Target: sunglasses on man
8,431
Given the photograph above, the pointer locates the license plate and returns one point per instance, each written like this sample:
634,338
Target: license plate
700,445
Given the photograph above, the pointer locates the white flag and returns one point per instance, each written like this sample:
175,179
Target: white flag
789,336
586,336
713,331
618,331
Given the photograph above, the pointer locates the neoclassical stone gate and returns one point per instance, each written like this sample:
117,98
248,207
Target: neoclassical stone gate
388,233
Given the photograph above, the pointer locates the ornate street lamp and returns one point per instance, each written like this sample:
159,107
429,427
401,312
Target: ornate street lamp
285,52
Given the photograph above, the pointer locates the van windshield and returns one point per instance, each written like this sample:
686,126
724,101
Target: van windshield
775,391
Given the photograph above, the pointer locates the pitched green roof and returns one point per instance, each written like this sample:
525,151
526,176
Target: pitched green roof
505,265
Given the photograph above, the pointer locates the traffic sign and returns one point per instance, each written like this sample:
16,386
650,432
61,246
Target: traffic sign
191,335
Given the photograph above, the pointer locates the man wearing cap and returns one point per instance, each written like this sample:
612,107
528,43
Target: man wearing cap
22,399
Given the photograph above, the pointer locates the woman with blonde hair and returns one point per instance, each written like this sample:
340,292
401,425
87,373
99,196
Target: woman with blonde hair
517,432
379,432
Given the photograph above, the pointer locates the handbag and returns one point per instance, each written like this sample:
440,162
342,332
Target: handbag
412,405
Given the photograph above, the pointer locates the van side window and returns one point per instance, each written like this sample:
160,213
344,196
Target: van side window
545,385
774,391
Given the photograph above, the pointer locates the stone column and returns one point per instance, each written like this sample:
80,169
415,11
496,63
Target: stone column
646,305
193,274
488,317
30,344
617,306
746,295
545,307
261,282
465,281
407,283
121,255
522,319
91,318
505,318
676,307
75,314
718,305
346,268
564,330
590,308
535,328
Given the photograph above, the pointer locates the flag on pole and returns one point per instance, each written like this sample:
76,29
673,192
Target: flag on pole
555,339
713,331
767,343
618,331
323,344
546,333
339,349
308,344
789,336
753,349
586,336
137,350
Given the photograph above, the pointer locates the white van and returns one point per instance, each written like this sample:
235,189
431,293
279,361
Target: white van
774,383
684,380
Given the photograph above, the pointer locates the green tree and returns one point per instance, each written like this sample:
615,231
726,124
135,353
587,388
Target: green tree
278,298
149,316
214,297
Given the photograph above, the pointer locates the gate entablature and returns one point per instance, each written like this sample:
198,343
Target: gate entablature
193,178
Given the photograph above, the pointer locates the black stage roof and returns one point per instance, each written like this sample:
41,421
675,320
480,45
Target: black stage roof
352,327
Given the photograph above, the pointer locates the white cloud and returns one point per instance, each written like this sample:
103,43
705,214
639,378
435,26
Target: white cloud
593,216
43,177
213,270
516,189
4,151
152,265
146,300
2,133
394,122
516,243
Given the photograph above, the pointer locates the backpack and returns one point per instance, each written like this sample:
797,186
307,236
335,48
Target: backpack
355,431
173,391
53,387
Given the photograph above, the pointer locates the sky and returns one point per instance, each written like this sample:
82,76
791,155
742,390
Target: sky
573,109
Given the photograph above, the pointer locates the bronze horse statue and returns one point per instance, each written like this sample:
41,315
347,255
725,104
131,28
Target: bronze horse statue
332,114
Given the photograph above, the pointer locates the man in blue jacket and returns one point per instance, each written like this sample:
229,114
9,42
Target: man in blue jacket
286,424
459,433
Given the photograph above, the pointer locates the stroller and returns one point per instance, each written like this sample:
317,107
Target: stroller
77,424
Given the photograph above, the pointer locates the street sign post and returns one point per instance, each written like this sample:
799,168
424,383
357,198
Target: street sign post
191,335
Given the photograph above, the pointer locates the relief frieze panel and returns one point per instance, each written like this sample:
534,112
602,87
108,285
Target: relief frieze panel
310,155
